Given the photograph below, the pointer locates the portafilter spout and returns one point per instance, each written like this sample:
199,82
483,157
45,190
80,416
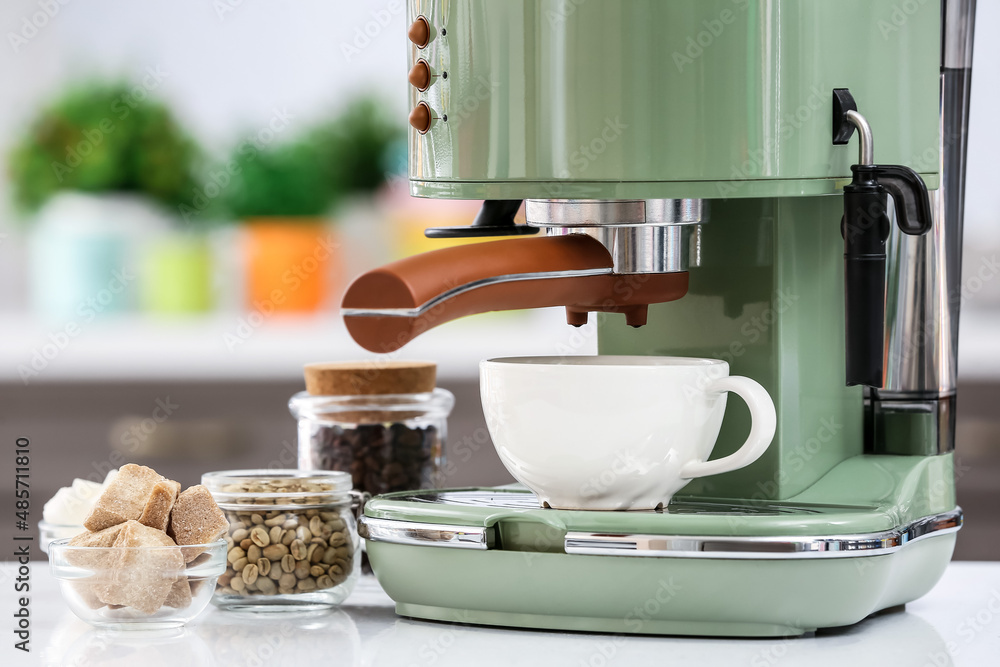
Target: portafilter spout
388,307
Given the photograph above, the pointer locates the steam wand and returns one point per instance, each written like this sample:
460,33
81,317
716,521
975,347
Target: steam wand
865,228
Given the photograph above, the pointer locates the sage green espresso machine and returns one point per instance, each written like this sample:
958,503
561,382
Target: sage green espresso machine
774,183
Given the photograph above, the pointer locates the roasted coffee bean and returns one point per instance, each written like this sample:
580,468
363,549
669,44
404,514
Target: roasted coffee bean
380,459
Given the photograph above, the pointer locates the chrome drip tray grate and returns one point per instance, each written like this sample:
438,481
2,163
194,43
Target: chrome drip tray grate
519,499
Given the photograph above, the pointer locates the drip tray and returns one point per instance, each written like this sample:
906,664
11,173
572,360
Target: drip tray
510,519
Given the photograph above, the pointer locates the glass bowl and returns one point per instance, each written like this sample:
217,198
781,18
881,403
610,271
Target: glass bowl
155,589
49,532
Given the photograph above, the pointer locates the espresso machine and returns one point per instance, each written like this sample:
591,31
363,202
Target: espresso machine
776,184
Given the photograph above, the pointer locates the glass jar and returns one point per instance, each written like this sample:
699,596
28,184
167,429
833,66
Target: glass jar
292,540
387,442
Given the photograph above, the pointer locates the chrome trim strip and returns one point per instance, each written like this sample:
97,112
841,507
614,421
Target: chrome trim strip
615,212
425,534
468,287
762,548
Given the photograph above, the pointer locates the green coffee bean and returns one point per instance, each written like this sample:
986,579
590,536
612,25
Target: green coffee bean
274,551
266,586
235,554
253,553
239,535
287,563
250,573
240,564
274,535
259,536
306,584
263,566
298,550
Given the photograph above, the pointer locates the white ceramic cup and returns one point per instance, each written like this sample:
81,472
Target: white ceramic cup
615,432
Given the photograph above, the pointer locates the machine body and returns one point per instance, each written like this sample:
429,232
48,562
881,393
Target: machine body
611,119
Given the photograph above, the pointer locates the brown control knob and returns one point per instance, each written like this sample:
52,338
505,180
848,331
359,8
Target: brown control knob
420,32
420,118
420,75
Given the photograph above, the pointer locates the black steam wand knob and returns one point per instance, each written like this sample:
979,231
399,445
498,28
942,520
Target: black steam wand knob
865,228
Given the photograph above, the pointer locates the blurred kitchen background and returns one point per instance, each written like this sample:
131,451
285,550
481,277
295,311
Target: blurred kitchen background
189,185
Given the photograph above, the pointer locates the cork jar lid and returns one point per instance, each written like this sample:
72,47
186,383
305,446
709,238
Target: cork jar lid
365,378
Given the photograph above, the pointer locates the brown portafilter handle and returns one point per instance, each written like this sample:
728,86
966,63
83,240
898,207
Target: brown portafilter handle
461,280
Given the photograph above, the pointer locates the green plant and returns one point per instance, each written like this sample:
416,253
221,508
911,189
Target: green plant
357,146
102,137
309,175
285,180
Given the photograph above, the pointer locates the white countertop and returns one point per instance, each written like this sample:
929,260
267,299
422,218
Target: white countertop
958,623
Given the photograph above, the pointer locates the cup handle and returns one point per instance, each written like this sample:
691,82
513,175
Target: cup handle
763,423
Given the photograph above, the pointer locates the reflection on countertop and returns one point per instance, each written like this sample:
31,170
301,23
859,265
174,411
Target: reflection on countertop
958,623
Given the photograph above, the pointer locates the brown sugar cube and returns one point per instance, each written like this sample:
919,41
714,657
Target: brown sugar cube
156,513
180,594
142,578
125,497
88,592
196,519
92,560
